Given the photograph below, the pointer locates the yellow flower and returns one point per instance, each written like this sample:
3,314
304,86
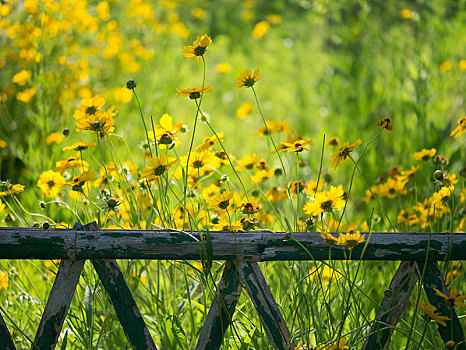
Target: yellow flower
443,195
275,194
50,182
260,29
462,65
334,141
223,68
71,162
326,273
157,166
392,187
3,280
329,238
385,123
445,66
26,95
6,188
3,144
198,49
337,346
79,146
312,185
406,14
351,240
99,122
221,200
198,13
195,92
460,129
224,225
89,106
209,142
425,154
407,217
244,110
343,153
79,181
55,137
453,298
247,78
122,94
326,201
248,208
203,161
296,146
273,127
22,77
429,311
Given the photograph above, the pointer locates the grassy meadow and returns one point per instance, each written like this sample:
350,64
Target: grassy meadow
336,117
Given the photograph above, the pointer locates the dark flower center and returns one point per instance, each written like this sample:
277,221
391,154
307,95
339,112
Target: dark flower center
159,170
91,110
199,50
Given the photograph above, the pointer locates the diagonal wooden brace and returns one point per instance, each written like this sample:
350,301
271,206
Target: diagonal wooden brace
123,302
433,279
5,337
392,307
267,308
222,309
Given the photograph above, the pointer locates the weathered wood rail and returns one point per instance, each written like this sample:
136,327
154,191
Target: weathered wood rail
418,253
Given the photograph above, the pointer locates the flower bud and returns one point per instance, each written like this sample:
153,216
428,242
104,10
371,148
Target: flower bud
438,175
66,132
131,84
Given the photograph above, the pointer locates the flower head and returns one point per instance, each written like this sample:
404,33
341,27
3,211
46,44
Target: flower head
157,166
195,92
247,78
329,238
78,182
343,153
198,49
7,188
385,123
221,200
326,201
79,146
50,182
351,240
425,154
297,146
453,298
429,311
460,129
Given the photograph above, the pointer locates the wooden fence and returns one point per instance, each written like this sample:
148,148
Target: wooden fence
418,253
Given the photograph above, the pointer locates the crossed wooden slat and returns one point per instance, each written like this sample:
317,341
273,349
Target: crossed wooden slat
236,275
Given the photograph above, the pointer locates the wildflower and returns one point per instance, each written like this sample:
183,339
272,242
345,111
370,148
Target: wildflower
334,141
297,187
157,166
55,137
453,298
445,66
462,65
272,127
223,225
392,187
337,346
394,172
101,123
131,84
312,187
221,200
248,208
89,106
408,174
22,77
343,153
50,182
223,68
122,95
209,142
3,144
443,195
275,194
194,93
249,223
450,179
260,29
329,238
247,78
460,129
6,188
297,146
407,217
385,123
3,280
244,110
351,240
441,159
78,182
79,146
248,162
425,154
429,311
71,162
198,49
406,14
26,95
326,201
326,273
